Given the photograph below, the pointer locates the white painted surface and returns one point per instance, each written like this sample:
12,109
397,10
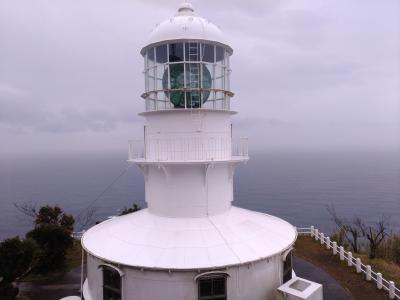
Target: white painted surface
174,187
191,190
300,289
186,25
145,240
256,281
188,135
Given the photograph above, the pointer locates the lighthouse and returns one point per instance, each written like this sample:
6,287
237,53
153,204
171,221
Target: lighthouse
190,243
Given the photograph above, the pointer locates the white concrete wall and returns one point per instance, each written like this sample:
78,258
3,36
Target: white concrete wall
189,190
188,135
256,281
94,277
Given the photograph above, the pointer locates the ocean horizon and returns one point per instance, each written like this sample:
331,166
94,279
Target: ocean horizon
294,185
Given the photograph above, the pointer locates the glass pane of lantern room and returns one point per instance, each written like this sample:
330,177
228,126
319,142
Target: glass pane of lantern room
219,53
161,72
176,52
208,53
219,77
161,54
192,52
150,58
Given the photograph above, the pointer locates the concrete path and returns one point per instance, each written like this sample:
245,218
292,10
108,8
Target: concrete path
332,289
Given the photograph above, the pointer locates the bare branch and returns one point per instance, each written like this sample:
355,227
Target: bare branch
87,218
28,209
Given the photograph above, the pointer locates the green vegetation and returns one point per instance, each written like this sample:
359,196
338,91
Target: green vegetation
16,259
52,233
374,243
44,249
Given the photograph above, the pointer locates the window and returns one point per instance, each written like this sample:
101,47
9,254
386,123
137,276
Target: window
192,51
176,52
219,53
287,267
208,53
212,287
161,54
150,54
111,284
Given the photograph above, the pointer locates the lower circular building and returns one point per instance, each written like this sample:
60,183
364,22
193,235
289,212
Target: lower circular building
238,254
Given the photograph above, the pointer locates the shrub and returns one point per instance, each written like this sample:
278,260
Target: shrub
17,258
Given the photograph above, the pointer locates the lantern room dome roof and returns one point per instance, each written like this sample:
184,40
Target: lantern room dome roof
186,25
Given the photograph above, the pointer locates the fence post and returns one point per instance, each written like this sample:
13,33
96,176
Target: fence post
358,265
328,242
379,280
334,248
316,234
341,252
322,238
312,231
391,290
368,273
349,259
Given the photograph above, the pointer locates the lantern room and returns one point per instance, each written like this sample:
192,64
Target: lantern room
186,65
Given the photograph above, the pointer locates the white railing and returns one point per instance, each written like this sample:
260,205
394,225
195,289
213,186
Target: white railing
189,149
77,235
136,150
240,147
370,275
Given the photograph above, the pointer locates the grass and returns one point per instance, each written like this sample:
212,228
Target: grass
389,270
312,251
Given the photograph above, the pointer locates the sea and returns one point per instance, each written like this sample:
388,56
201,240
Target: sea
297,186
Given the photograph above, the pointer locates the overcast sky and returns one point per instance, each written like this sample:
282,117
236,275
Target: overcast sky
308,74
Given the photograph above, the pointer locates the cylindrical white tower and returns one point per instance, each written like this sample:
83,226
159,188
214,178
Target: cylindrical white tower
187,155
190,243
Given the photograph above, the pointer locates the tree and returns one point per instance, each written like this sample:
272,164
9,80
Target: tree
52,232
54,242
350,230
48,215
374,233
17,258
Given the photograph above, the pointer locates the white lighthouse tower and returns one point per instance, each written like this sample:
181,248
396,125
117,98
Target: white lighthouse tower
190,243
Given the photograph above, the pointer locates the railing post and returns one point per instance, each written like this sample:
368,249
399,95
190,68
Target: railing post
341,252
334,248
368,273
312,231
379,280
391,290
358,265
322,238
349,259
316,234
328,242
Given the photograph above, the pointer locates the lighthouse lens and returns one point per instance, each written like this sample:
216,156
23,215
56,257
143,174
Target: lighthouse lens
198,84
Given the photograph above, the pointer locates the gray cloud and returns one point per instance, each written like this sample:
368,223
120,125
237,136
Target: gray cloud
73,69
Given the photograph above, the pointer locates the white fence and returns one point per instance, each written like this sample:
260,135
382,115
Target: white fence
188,149
370,275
